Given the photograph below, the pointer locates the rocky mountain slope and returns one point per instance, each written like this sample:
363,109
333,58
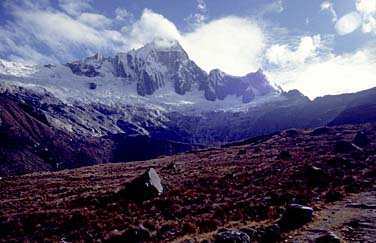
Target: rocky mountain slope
28,143
154,94
247,186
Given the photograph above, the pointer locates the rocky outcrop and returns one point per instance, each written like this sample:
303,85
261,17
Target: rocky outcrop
344,147
220,85
328,238
295,216
133,234
87,67
271,234
362,140
230,236
165,64
144,187
158,64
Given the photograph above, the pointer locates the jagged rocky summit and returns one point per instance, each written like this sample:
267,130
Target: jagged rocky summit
165,64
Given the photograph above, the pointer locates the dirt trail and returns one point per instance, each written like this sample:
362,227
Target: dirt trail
353,220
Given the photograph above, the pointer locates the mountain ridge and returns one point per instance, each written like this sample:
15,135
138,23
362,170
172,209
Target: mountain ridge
157,65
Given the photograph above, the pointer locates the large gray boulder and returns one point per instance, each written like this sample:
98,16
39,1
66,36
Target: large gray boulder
144,187
296,215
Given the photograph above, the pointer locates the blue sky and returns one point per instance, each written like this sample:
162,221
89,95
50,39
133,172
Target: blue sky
318,46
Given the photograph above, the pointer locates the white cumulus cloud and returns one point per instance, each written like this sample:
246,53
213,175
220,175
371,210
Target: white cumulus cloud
43,34
151,26
329,74
283,55
348,23
367,8
232,44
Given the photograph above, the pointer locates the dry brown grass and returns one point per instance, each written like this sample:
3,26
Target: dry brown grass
208,190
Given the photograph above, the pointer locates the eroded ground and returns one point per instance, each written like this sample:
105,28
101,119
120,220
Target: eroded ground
248,184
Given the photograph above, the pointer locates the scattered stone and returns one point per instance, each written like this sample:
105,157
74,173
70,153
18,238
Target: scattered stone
328,238
257,150
321,131
144,187
189,228
284,155
230,236
362,140
296,215
171,166
332,196
251,232
313,171
92,86
135,235
242,152
338,162
348,180
272,234
344,147
114,236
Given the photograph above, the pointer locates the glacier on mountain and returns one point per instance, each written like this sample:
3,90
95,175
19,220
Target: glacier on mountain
159,75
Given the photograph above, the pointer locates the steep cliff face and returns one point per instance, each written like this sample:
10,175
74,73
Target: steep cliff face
164,64
159,64
220,85
89,66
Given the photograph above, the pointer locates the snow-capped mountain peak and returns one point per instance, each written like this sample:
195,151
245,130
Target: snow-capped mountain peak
160,73
162,45
161,63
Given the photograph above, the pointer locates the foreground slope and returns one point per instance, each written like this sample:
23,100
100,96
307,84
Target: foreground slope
247,183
